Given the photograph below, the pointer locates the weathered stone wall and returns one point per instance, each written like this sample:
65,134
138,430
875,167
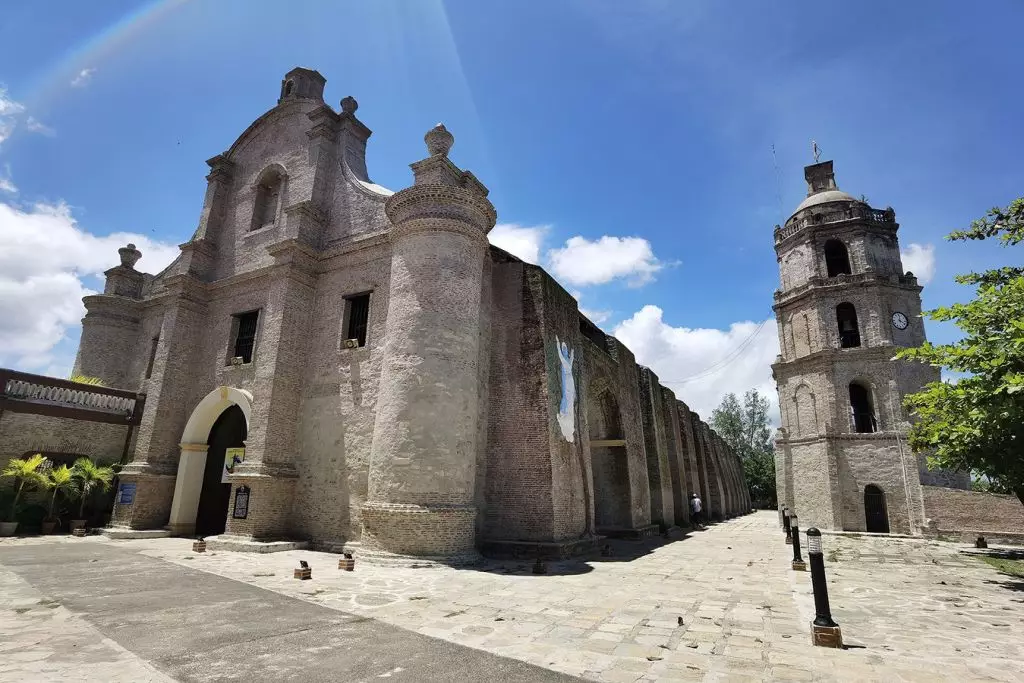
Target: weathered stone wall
23,434
959,510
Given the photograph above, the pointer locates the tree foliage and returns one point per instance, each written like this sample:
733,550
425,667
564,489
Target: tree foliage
745,427
24,472
976,422
89,478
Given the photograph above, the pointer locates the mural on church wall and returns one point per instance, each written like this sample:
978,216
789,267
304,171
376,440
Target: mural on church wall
567,406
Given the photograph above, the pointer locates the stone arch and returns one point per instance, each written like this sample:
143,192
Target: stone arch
268,191
848,326
806,410
863,418
837,258
609,462
192,461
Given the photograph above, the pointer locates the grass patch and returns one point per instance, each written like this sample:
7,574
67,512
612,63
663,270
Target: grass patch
833,555
21,610
1005,565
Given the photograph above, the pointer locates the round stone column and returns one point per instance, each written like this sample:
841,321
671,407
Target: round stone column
420,503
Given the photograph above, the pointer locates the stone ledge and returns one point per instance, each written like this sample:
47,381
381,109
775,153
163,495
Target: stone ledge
383,558
126,533
246,545
546,550
635,534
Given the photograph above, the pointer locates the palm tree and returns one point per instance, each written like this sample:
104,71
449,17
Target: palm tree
89,477
85,379
60,479
24,471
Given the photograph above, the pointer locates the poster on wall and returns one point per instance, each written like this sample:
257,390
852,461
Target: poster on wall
126,494
232,458
567,406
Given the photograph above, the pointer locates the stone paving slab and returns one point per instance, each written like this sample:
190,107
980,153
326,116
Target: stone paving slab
910,609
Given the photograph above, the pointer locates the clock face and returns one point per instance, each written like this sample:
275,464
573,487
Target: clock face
899,321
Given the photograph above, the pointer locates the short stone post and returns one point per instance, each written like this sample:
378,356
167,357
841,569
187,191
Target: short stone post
304,571
199,546
824,631
798,560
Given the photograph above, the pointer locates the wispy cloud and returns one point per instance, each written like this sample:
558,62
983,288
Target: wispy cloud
83,78
34,125
6,183
919,259
9,113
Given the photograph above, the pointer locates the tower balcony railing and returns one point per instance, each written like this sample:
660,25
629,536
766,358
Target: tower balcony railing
23,392
852,212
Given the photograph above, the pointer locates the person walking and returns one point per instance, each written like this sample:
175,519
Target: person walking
696,511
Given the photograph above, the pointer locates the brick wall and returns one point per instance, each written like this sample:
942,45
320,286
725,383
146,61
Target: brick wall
959,510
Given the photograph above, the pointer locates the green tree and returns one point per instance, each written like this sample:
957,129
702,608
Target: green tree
25,472
89,478
976,422
59,480
745,427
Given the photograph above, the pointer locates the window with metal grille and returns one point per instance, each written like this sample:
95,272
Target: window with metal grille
358,315
245,337
152,356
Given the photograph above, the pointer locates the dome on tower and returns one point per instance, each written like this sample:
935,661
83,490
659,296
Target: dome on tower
824,198
821,187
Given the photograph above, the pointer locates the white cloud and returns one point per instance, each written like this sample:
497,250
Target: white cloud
83,78
44,257
919,259
9,112
519,240
34,125
6,182
582,262
703,365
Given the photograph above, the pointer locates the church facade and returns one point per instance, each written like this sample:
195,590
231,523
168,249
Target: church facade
332,362
844,308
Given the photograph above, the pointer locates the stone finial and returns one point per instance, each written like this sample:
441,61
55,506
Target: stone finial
439,140
129,256
349,105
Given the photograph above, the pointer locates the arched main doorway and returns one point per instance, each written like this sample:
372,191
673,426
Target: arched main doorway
218,422
228,431
609,463
876,516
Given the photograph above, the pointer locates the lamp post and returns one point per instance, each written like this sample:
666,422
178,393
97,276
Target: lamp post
798,561
785,525
824,631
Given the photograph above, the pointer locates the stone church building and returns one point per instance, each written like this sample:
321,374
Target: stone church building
844,308
331,362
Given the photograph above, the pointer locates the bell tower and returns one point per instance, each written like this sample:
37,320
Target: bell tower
844,305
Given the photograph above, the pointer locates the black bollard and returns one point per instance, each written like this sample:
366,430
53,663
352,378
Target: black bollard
785,525
798,560
824,631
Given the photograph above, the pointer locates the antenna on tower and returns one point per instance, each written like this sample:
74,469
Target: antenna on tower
778,186
816,151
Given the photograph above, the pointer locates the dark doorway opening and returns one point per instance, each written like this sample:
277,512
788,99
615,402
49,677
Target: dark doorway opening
875,513
228,431
863,413
849,334
837,260
610,464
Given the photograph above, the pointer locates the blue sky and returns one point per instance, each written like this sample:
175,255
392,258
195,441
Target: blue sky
648,124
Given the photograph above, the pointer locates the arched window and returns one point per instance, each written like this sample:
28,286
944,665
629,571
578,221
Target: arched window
268,197
861,410
837,260
288,88
849,334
